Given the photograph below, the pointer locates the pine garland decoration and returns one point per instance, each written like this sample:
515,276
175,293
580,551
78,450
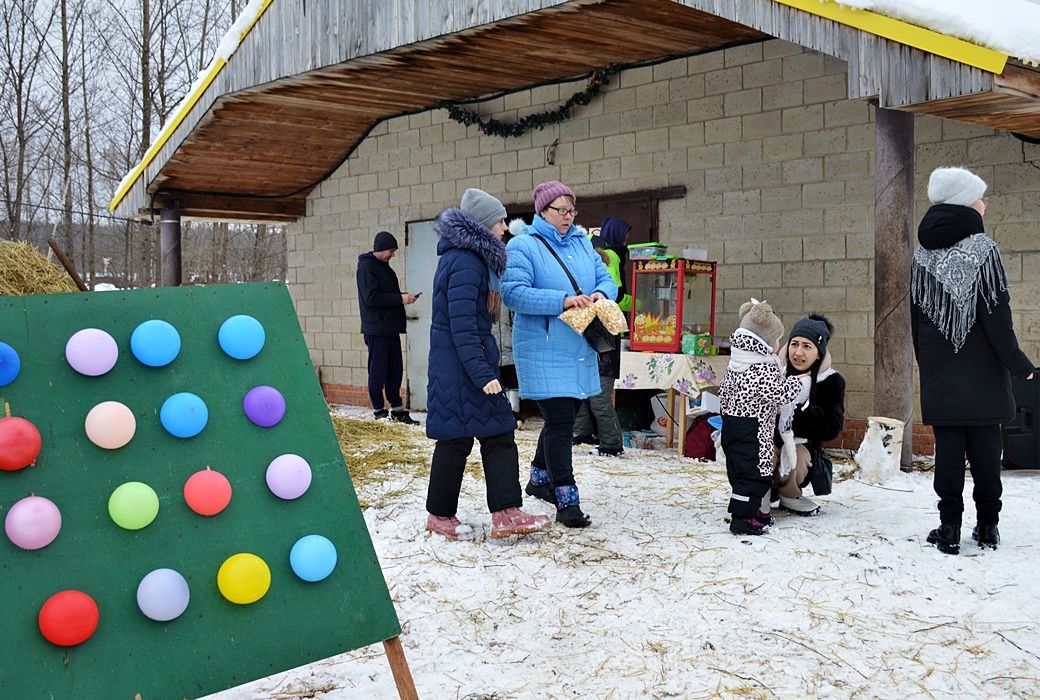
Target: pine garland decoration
494,127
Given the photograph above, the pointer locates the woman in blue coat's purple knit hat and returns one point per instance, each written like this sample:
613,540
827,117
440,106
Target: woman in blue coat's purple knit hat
464,396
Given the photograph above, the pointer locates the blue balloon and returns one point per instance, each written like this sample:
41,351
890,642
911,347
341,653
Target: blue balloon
184,415
313,557
155,343
242,337
10,364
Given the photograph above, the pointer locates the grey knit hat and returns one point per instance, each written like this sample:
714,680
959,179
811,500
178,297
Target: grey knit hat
955,186
816,329
758,317
482,207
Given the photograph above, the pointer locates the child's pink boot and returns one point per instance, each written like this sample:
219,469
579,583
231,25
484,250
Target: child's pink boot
452,527
513,521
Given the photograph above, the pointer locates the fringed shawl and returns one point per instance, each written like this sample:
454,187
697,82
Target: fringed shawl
946,282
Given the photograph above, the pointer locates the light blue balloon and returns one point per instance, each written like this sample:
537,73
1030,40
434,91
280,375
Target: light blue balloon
184,415
242,337
313,558
10,364
155,343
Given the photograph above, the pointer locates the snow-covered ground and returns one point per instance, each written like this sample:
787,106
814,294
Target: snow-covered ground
657,599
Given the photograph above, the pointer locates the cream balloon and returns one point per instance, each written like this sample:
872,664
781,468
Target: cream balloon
110,425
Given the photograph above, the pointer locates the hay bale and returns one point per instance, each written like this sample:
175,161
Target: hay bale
23,271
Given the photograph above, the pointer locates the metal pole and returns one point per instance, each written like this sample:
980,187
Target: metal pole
170,246
893,251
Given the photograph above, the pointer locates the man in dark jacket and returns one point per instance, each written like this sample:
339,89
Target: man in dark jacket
382,322
966,352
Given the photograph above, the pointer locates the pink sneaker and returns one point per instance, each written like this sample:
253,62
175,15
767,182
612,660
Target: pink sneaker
513,521
452,527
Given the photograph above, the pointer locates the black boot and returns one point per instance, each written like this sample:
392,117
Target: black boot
986,535
750,525
585,440
381,414
946,538
399,415
568,512
544,492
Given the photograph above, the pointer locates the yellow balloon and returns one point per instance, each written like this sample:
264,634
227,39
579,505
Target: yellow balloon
243,578
110,425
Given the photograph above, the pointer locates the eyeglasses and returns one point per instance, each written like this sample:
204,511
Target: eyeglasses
563,211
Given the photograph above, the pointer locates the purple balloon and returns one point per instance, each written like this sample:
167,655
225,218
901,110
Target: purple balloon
33,522
92,352
264,405
288,476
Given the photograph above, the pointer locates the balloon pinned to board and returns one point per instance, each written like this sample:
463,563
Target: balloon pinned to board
264,406
163,595
133,505
288,476
68,618
184,415
207,492
241,337
155,343
91,352
110,425
10,364
243,578
313,558
33,522
20,443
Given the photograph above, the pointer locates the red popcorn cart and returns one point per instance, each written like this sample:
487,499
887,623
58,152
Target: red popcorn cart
671,297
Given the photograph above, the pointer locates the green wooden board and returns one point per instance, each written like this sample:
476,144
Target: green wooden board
214,644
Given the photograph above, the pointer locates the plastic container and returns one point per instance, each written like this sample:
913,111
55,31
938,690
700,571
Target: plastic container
646,251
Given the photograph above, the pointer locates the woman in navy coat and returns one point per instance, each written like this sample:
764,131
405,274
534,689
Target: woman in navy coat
464,396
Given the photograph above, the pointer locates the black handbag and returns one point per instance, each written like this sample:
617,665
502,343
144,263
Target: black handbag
821,475
596,334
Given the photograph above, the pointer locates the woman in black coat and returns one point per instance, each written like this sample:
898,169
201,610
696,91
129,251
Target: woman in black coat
464,395
966,352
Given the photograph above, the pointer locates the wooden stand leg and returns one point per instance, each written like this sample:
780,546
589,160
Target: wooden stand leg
399,667
682,424
671,412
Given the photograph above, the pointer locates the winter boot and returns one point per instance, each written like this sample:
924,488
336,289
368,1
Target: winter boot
513,521
399,415
381,414
946,538
610,451
765,518
540,485
986,535
568,512
585,440
452,527
799,506
747,526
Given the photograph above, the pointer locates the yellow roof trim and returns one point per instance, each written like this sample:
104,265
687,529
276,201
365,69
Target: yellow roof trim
905,33
212,72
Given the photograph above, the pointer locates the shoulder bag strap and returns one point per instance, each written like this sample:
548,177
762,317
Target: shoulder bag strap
556,255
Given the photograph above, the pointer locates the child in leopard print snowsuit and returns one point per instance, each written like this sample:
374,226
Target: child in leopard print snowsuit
751,394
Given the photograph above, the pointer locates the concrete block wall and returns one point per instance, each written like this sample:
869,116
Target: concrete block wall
778,167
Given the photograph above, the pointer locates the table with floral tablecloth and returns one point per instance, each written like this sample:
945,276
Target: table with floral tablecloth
672,372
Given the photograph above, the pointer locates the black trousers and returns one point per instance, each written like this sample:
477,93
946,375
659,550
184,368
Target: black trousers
749,486
385,369
556,439
981,445
501,473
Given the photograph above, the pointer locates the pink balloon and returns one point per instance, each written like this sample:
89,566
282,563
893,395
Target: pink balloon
110,425
33,522
92,352
289,476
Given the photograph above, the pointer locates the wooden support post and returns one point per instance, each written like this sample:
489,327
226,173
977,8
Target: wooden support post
399,667
67,264
893,252
170,245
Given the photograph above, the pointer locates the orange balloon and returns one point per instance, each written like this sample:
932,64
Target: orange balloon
207,492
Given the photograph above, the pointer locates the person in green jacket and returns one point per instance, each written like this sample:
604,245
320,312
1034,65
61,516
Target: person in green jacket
597,421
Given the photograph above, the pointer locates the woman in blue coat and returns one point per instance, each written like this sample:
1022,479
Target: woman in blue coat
464,396
554,365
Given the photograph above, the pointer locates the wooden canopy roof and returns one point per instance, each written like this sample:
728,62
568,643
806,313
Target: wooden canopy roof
311,79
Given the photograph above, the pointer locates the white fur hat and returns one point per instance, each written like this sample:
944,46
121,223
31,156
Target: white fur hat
955,186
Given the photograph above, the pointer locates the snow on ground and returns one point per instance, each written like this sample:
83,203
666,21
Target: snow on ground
657,599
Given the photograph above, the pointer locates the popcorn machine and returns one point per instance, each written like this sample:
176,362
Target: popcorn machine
671,297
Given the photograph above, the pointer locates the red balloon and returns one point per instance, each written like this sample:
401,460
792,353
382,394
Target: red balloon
20,443
68,618
207,492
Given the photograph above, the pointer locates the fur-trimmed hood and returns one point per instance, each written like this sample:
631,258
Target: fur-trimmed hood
459,230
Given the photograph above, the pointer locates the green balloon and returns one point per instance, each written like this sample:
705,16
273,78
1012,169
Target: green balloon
133,505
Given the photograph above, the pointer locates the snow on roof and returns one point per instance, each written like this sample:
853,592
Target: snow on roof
1009,26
